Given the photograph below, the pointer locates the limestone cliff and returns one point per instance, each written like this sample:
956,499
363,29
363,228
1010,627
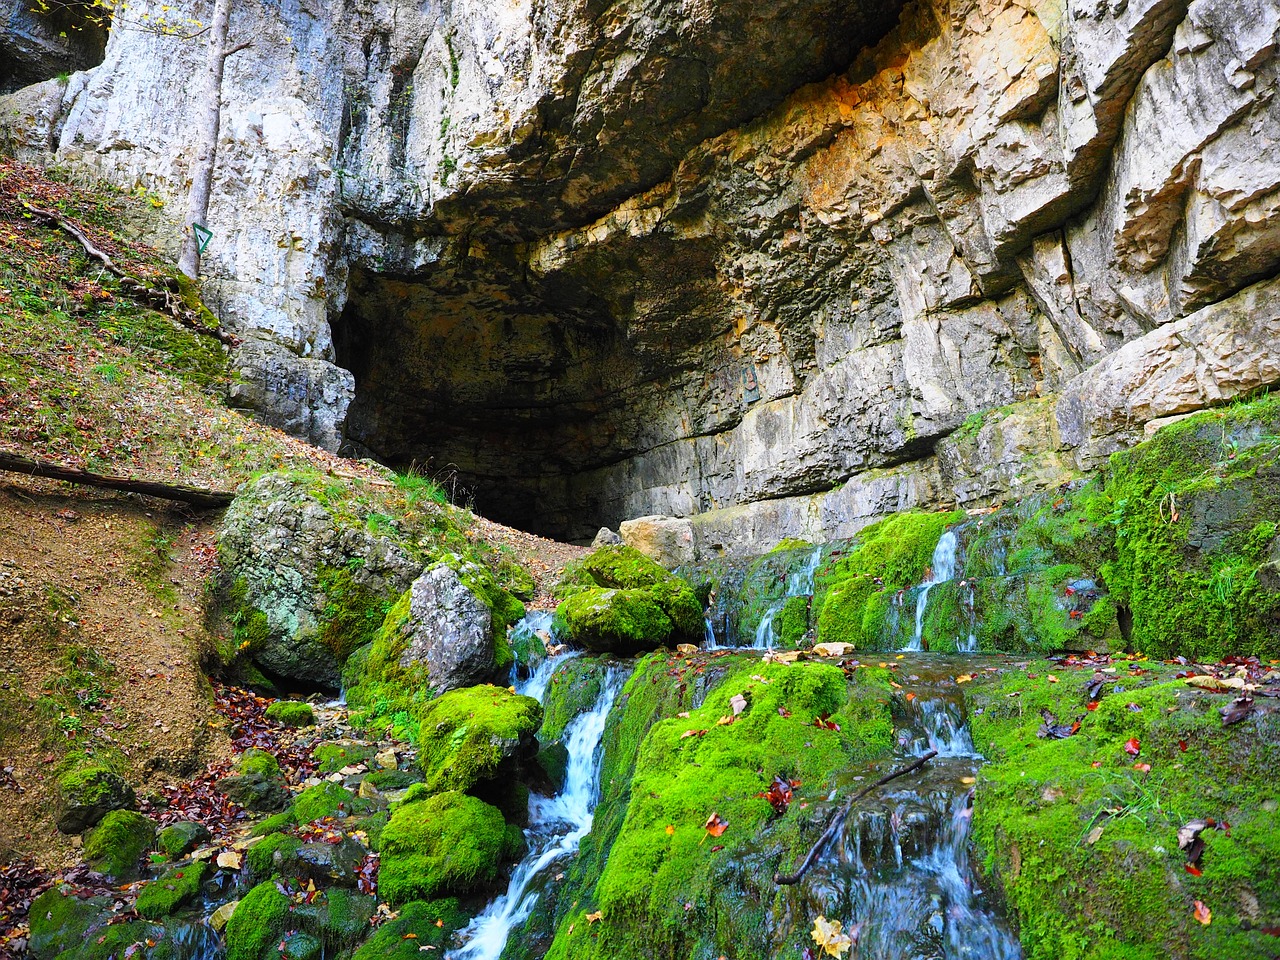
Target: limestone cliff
778,266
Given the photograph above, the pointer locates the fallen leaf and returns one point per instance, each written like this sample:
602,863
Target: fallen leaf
738,702
1132,747
1192,869
828,935
1142,767
230,860
687,649
1094,835
964,678
1237,710
1215,683
671,830
593,917
1051,678
968,780
716,826
1203,913
832,649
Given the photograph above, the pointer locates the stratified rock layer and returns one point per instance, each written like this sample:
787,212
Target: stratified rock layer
780,267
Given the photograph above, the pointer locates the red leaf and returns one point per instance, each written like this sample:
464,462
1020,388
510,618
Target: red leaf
1182,745
1192,869
1132,747
1092,706
716,825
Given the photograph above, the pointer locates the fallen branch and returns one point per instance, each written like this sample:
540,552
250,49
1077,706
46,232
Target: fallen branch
197,497
165,298
838,821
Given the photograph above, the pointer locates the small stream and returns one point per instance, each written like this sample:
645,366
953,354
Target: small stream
557,824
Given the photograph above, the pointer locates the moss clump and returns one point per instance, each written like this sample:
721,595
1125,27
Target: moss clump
447,843
261,857
274,823
164,895
614,621
88,794
791,624
352,612
573,689
420,924
291,713
624,568
661,871
118,842
260,763
60,921
332,757
257,923
892,555
1085,844
179,838
327,800
468,735
339,917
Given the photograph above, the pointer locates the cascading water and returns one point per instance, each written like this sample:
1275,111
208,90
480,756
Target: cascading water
557,826
941,569
799,584
902,877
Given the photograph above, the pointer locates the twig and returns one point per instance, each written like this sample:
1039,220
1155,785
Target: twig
198,497
161,298
838,821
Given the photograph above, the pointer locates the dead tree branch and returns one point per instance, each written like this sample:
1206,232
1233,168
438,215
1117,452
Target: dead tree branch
198,497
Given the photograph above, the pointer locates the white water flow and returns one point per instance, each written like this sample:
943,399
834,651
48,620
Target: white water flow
941,569
799,584
557,825
537,623
709,635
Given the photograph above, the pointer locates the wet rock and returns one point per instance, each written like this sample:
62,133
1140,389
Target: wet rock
170,890
88,794
60,921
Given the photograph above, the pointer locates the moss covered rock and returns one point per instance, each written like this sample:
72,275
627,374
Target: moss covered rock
172,889
291,713
118,842
332,757
60,921
88,794
449,843
474,734
623,602
257,923
181,838
419,924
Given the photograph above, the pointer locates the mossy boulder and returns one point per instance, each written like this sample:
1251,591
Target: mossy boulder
332,757
269,855
260,762
118,842
88,794
475,734
172,889
60,921
255,792
181,838
291,713
261,917
328,800
419,924
449,843
623,602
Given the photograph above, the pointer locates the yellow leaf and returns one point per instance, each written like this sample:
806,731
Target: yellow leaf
671,830
827,935
964,678
593,917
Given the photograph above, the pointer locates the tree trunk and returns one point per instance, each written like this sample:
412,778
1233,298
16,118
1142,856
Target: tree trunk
198,497
206,139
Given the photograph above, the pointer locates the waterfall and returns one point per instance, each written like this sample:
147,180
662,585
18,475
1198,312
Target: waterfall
942,568
709,635
557,825
799,584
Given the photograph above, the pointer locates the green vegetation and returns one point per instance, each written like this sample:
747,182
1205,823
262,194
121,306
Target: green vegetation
448,842
118,842
291,713
419,924
262,916
854,591
166,893
1083,838
467,735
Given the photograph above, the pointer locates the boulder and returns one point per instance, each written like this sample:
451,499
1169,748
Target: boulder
118,842
89,794
255,791
666,540
450,630
471,735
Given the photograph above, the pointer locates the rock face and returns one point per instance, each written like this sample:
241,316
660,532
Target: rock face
450,631
759,265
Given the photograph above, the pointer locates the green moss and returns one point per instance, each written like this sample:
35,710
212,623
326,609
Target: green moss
394,779
573,689
853,591
339,917
257,923
291,713
791,624
179,838
352,613
165,894
118,842
332,757
624,568
448,843
60,921
327,800
468,734
419,924
661,871
260,858
255,762
274,823
610,620
791,543
1085,845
